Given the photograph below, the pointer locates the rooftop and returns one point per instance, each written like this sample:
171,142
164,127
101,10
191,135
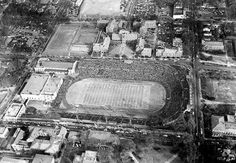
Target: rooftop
99,135
13,110
213,45
39,158
51,85
40,144
41,84
224,125
2,129
90,157
35,84
12,160
53,64
42,131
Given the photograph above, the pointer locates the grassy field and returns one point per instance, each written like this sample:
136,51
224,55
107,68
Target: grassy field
70,34
61,40
100,7
86,35
117,94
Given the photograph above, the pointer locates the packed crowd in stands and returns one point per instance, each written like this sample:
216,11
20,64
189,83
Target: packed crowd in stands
172,78
144,9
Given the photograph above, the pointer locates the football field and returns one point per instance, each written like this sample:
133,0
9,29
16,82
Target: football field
61,41
116,94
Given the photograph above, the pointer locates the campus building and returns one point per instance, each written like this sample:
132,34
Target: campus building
42,87
223,125
6,159
4,132
14,112
40,158
47,66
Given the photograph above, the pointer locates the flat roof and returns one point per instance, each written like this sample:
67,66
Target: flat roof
41,84
39,158
2,129
13,110
58,65
35,84
12,160
51,85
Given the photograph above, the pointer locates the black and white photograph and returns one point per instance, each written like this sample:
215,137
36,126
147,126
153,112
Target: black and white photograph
117,81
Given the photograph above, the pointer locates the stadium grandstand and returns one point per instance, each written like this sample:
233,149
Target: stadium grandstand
169,76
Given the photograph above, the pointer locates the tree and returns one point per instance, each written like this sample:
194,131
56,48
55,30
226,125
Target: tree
186,148
105,154
232,11
169,3
65,4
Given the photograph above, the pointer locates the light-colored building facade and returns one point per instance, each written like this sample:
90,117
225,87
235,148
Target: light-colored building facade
39,158
80,49
150,24
112,26
223,126
6,159
14,111
169,53
147,52
19,144
42,87
47,66
89,157
102,47
4,132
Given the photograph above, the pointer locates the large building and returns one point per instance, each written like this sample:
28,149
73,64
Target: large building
4,132
223,126
42,87
19,144
39,158
47,66
89,157
13,160
14,111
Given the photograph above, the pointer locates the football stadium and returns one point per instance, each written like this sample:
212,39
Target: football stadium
141,91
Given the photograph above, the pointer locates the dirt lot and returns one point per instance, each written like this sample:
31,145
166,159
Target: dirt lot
117,94
100,7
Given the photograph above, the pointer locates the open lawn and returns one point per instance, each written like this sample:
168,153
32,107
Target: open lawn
61,40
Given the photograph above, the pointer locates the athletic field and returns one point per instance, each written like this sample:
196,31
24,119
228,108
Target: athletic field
61,40
117,94
86,35
67,35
